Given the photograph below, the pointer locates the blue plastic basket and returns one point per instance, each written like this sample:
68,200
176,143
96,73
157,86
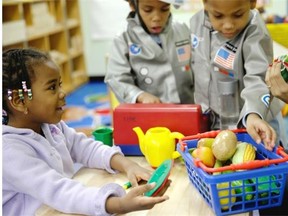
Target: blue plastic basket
240,191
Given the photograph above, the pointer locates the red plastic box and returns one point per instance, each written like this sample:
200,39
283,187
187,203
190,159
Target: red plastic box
184,118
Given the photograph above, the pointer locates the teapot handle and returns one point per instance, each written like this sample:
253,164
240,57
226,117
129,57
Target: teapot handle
176,135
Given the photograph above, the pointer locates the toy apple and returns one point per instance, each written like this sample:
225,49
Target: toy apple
204,154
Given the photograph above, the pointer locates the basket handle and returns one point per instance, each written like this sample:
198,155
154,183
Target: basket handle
247,165
211,134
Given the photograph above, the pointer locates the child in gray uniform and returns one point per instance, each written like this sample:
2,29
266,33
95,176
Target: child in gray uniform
150,61
39,149
230,41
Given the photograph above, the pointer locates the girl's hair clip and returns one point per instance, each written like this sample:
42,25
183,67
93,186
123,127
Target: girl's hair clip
29,94
24,86
9,93
20,93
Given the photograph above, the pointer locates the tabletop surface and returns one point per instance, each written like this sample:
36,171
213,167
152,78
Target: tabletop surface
184,199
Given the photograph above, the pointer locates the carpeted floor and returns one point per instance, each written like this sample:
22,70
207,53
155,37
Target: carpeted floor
88,107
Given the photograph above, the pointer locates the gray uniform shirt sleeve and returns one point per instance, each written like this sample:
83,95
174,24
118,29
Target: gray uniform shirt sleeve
257,53
119,74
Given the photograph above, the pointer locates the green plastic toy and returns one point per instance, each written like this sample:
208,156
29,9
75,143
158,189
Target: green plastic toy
284,66
160,177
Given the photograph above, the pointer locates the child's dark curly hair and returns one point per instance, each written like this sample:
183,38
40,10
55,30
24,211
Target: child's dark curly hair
17,66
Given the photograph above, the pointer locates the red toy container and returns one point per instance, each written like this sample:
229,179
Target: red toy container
184,118
260,186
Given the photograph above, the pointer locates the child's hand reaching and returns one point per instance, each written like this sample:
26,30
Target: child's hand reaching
136,173
134,200
147,98
260,130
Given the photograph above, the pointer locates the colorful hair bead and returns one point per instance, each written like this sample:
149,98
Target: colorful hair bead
9,93
20,93
4,117
29,94
24,86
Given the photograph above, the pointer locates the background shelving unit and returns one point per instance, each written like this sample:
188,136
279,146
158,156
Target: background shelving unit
50,25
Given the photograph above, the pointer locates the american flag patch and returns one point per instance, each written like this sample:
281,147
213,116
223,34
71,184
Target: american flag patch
183,52
225,58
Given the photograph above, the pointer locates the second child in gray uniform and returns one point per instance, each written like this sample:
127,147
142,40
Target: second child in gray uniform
230,40
150,61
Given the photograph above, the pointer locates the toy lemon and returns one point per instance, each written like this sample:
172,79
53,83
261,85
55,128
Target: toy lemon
226,195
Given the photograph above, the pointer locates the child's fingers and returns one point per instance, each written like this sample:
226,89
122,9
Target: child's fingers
270,139
140,190
267,76
254,134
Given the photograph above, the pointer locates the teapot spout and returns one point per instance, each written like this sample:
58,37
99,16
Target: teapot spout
141,136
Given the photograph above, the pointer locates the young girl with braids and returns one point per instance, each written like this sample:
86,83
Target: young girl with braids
39,149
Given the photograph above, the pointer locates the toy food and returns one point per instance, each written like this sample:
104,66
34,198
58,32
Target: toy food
205,142
227,194
217,165
204,154
224,145
245,152
238,185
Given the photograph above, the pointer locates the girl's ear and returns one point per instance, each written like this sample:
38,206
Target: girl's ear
16,103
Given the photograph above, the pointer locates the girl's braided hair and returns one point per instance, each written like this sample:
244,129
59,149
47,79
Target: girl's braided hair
17,67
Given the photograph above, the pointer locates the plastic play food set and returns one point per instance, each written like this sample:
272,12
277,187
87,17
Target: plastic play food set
251,178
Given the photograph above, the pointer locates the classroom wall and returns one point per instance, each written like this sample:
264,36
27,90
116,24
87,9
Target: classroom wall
97,15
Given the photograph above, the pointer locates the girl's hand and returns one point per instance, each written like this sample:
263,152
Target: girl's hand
147,98
260,130
134,200
134,172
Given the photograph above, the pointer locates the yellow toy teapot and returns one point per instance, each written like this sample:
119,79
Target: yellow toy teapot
158,144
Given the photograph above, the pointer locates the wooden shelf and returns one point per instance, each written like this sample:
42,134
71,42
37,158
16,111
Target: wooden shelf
50,25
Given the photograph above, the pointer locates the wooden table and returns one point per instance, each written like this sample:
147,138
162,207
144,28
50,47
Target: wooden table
184,199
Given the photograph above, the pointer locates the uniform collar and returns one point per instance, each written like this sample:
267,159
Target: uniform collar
206,21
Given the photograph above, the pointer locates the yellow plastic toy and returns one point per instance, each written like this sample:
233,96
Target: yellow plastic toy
158,144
